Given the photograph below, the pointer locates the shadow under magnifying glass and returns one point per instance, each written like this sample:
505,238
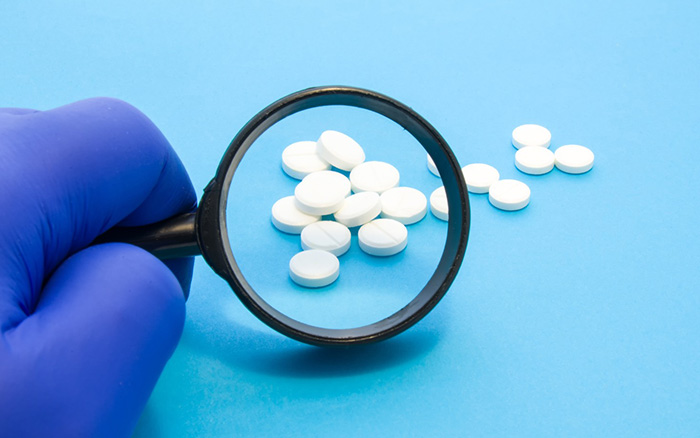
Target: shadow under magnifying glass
275,355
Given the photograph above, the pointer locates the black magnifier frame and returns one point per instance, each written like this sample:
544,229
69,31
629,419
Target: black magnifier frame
205,231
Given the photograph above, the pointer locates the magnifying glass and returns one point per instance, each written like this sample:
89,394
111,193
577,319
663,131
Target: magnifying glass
232,240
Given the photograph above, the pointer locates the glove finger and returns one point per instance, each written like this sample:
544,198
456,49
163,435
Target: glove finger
70,174
182,268
87,360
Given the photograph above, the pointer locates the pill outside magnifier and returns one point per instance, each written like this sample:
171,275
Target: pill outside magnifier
205,233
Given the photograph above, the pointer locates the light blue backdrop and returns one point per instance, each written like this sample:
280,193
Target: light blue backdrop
578,316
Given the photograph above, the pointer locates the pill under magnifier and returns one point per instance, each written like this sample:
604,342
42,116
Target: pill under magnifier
534,160
374,176
314,268
479,177
574,159
404,204
287,218
358,209
300,159
340,150
509,195
322,192
438,204
531,135
329,236
432,167
383,237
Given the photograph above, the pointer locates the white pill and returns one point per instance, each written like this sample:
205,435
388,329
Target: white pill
322,192
573,158
404,204
314,268
326,235
287,218
438,204
340,150
534,160
359,209
431,166
479,177
531,135
383,237
374,176
509,194
300,159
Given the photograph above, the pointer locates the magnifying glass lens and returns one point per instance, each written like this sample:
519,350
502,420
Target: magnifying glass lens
369,286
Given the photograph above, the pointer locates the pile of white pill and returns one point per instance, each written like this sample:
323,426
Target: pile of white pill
327,203
533,157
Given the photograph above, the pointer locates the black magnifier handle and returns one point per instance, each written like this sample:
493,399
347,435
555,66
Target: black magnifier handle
169,239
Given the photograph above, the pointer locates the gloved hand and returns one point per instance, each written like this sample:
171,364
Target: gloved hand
85,330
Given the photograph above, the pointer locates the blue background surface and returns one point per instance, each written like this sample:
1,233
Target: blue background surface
577,316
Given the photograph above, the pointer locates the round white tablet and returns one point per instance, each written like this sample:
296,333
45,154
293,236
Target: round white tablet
300,159
479,177
326,235
383,237
438,204
573,158
287,218
509,194
322,192
531,135
359,209
340,150
314,268
534,160
374,176
431,166
404,204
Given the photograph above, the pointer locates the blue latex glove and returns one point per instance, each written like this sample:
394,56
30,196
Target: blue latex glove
86,330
